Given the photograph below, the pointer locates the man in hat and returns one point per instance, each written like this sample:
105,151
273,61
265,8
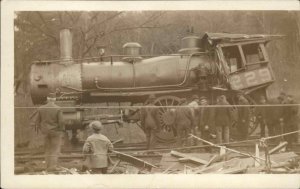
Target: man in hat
223,118
194,106
96,149
184,122
274,115
243,116
290,118
261,112
205,119
49,120
149,121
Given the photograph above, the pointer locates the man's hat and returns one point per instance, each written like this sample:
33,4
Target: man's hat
152,96
96,125
281,95
203,98
194,97
182,100
51,96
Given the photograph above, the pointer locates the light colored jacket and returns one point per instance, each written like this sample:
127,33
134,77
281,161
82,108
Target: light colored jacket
96,148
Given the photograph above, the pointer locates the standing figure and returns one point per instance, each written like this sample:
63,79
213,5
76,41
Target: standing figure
205,119
50,122
243,117
149,121
96,148
290,119
261,115
194,106
274,115
184,122
223,117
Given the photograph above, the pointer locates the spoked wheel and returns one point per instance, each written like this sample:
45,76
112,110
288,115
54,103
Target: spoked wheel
166,117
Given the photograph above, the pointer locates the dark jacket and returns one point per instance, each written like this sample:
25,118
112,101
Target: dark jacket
184,118
275,112
223,115
290,114
95,149
205,116
149,117
261,111
243,111
49,117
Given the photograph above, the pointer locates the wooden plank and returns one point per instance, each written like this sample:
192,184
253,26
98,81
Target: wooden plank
234,170
115,165
133,160
278,147
191,158
213,159
183,160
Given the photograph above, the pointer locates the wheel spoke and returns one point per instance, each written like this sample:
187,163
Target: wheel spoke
172,102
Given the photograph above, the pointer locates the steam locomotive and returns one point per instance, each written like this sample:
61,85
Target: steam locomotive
214,64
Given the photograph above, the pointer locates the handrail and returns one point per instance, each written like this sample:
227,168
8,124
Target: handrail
159,86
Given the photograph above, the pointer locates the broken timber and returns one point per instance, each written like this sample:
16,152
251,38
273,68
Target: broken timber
279,147
188,157
133,160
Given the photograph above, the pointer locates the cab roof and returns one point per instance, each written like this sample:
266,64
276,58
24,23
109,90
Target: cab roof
213,38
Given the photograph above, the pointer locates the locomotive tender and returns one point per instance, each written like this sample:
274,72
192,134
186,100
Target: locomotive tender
217,63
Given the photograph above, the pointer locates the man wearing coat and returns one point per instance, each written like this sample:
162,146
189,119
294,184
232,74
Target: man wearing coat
290,119
243,117
274,115
149,121
223,117
96,149
49,120
261,113
184,122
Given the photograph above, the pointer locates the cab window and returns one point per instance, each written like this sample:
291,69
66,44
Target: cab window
253,53
233,58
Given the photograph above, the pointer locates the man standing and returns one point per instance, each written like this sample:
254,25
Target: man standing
243,117
149,121
184,122
223,119
96,148
50,122
290,119
274,115
261,115
205,120
194,106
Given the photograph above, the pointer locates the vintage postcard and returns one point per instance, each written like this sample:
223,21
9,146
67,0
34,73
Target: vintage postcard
162,94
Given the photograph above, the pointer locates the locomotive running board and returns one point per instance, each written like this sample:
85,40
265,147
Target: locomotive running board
142,93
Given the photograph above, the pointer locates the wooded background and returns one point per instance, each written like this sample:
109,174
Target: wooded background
36,37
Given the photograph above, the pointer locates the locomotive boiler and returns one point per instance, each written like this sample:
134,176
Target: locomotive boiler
214,64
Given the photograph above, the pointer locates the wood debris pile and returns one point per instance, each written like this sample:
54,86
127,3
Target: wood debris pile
225,161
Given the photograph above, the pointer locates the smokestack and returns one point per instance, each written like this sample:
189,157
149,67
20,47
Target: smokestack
65,45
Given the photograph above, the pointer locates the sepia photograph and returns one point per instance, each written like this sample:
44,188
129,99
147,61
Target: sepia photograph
171,92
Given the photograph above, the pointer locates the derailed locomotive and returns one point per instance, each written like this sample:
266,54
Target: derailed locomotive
216,63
